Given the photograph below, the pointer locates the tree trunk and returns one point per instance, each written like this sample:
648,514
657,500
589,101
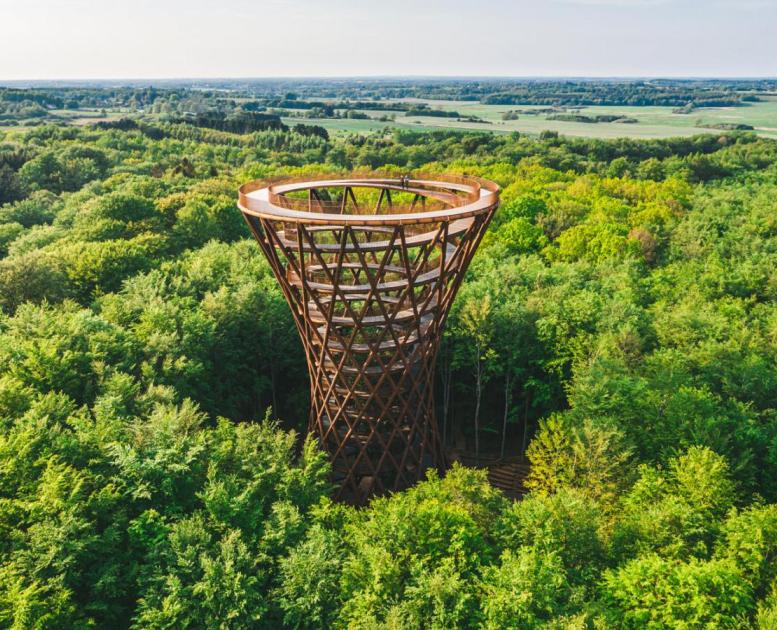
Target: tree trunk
272,384
506,412
445,374
525,424
478,392
272,373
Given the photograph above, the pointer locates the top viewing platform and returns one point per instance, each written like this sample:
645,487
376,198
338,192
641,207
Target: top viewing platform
369,200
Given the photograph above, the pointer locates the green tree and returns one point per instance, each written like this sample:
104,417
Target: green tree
476,325
526,590
655,592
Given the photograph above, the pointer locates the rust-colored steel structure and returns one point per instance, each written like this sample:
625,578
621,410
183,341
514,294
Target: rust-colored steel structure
370,266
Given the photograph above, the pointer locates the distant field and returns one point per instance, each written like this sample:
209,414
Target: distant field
71,116
88,117
652,122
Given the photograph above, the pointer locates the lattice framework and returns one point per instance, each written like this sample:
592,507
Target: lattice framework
370,267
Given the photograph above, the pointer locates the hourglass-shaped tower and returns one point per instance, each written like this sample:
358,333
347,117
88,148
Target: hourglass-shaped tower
370,267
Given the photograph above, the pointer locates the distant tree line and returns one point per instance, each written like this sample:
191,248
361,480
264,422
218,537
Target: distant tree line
238,122
176,98
596,118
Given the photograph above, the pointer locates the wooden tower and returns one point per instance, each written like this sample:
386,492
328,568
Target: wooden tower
370,267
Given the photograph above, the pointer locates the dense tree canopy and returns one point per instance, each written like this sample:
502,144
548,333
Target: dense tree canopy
618,327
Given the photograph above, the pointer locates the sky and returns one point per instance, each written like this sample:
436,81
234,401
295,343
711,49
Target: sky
90,39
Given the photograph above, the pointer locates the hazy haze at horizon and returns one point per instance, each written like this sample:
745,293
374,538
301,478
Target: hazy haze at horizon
44,40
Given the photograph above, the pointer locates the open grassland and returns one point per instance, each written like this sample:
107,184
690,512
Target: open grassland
652,122
79,117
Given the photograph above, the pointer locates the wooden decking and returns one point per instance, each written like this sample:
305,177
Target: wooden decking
507,474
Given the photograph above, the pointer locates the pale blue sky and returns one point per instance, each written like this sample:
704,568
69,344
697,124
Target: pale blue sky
46,39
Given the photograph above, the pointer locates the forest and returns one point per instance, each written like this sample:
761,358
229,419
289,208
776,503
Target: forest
617,329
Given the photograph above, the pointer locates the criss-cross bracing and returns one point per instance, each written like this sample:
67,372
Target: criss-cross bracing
370,267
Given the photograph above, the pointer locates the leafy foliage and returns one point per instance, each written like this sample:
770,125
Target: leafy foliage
618,327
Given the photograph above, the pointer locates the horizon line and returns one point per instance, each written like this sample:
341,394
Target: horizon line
355,77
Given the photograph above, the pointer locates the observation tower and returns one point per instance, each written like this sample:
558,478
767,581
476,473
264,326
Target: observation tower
369,266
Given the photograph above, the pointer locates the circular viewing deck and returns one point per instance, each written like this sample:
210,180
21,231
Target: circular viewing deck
369,201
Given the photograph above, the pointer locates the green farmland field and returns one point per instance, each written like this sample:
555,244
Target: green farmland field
652,122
